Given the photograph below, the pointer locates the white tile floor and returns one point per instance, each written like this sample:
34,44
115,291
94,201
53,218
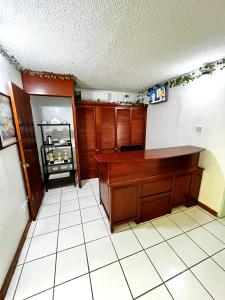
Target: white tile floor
70,253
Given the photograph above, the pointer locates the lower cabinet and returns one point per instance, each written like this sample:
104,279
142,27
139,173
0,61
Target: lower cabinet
124,202
150,198
155,206
182,188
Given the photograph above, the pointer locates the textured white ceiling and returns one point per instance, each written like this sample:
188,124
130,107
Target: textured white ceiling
112,44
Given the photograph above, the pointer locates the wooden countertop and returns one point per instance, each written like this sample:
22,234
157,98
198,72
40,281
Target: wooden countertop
160,153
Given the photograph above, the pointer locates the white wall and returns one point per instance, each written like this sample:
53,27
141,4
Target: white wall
174,123
103,95
13,217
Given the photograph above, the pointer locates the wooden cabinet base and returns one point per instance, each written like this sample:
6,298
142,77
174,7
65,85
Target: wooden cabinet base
143,188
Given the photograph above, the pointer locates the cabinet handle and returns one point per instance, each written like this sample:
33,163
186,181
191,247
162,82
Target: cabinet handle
96,150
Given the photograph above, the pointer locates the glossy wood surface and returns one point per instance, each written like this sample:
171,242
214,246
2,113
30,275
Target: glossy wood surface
28,147
86,122
161,153
103,128
123,126
36,85
150,184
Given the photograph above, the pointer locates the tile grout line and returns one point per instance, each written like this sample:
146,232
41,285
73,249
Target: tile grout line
118,260
17,284
152,265
110,236
209,256
131,255
85,247
188,268
53,292
95,196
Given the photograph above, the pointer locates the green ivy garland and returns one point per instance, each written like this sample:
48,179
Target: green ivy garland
13,61
207,69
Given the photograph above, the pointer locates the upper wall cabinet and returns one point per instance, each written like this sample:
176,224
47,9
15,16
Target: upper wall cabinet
105,128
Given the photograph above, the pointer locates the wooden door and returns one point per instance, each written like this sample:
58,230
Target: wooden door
106,129
86,124
138,121
28,147
123,126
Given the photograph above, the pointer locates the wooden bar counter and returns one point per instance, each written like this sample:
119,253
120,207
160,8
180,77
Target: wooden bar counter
141,185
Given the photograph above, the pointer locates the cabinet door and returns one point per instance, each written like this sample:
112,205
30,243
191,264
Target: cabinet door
123,126
87,141
124,203
182,189
138,116
106,129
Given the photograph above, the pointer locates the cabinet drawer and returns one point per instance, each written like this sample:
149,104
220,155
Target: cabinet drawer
155,206
156,187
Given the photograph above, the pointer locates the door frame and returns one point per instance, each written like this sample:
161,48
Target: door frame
43,86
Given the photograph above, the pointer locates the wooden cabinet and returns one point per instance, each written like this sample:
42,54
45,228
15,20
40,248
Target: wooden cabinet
146,184
138,121
86,123
104,128
182,188
124,202
123,126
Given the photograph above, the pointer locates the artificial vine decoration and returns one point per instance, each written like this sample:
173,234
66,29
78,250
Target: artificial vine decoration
207,69
13,61
50,75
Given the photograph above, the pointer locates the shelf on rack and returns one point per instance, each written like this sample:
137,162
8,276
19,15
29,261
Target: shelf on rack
58,164
60,171
53,124
52,169
54,182
56,145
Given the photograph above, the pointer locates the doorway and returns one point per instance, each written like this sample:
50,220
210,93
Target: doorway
52,109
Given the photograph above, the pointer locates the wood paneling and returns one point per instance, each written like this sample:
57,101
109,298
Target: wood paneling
107,129
156,187
155,206
36,85
138,126
123,126
149,185
87,141
195,184
182,189
103,128
105,196
124,202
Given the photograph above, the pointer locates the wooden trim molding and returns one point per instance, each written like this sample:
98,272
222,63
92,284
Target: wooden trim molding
13,265
210,210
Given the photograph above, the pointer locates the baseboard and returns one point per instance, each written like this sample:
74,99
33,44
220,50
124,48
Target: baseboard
210,210
13,265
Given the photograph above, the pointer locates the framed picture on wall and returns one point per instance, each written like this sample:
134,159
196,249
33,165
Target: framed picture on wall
7,127
158,94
